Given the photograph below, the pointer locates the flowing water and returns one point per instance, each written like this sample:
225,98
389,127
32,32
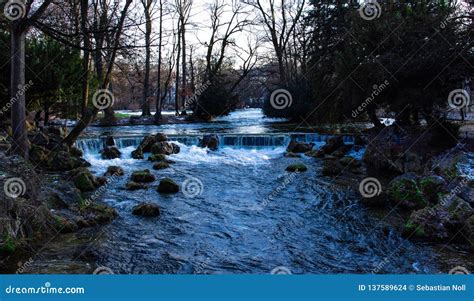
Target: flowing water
240,212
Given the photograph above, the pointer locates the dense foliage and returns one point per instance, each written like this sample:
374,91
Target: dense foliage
406,61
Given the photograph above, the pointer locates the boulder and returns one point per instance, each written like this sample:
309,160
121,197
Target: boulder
132,186
143,176
296,168
114,171
74,151
109,141
159,158
210,141
432,187
168,186
149,141
160,166
440,223
138,154
299,147
100,181
331,168
64,161
428,223
333,144
165,148
83,180
404,191
146,210
111,152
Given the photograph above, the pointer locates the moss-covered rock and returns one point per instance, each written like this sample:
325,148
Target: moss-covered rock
160,166
159,158
8,244
403,191
297,168
111,152
74,151
138,154
84,180
146,210
64,161
165,148
428,223
440,223
132,186
143,176
432,187
460,211
168,186
114,171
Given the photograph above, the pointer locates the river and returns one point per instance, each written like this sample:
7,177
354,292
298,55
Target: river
242,213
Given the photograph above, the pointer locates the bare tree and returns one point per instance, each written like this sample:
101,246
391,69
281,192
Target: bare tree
158,87
280,21
105,82
147,7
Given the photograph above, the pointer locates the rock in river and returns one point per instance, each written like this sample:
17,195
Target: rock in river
146,210
168,186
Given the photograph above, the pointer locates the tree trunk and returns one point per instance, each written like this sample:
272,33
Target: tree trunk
86,58
176,100
20,144
146,83
158,116
183,38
